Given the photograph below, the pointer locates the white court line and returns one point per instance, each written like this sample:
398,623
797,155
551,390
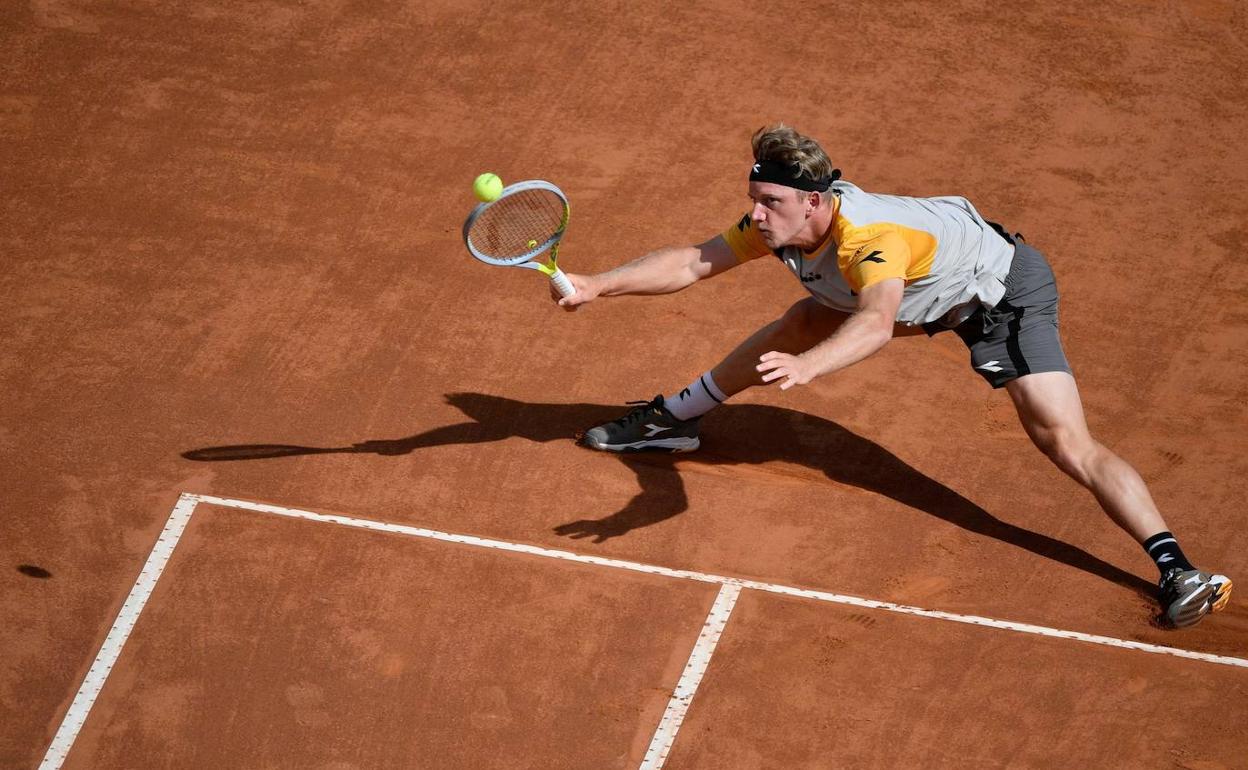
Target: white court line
704,577
699,659
117,635
110,650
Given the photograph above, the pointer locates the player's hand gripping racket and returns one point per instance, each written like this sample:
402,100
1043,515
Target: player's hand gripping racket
516,228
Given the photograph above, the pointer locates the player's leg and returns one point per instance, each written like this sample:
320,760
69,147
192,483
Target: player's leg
804,325
1016,345
671,423
1051,412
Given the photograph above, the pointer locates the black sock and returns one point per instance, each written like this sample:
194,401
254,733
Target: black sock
1166,552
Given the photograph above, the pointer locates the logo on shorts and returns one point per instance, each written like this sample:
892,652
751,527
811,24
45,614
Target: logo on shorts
991,366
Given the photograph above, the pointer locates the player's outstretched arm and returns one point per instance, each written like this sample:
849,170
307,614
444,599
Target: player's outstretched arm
863,333
663,271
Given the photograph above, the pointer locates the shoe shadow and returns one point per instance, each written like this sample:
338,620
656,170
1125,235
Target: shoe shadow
776,434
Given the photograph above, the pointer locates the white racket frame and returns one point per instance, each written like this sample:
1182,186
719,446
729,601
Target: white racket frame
550,269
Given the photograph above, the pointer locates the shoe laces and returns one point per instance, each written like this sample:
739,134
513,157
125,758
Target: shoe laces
639,408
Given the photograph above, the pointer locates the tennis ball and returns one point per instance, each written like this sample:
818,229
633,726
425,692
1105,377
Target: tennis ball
487,187
532,244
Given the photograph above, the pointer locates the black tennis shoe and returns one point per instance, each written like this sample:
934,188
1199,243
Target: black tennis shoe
647,426
1186,596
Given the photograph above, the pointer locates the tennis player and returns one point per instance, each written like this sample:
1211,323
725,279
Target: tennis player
879,266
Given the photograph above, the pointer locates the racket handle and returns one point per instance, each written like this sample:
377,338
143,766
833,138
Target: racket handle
561,282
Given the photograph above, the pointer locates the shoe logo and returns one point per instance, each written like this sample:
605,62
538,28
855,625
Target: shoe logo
991,366
873,257
1164,559
656,429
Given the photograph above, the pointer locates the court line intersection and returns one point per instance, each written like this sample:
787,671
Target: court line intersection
678,704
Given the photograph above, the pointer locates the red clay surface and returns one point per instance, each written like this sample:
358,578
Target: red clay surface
238,226
361,651
795,684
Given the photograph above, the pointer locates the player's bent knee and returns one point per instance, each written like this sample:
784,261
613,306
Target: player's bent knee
1072,453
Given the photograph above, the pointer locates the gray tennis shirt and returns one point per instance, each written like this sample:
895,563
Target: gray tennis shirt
951,259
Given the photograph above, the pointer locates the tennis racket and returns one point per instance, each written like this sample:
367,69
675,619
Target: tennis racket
524,222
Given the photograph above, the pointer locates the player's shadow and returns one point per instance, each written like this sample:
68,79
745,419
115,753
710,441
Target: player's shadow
735,434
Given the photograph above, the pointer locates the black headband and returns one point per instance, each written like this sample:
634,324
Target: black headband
791,176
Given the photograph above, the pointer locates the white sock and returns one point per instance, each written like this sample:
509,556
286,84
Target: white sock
700,397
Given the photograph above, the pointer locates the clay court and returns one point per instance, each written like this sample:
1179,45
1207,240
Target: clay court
290,481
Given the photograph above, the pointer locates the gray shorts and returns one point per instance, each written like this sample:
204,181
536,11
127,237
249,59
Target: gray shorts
1019,335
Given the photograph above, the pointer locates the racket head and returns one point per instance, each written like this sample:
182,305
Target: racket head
525,220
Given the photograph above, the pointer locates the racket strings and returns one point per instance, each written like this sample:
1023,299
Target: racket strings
518,224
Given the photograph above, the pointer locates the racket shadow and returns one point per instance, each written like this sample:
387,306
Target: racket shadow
776,435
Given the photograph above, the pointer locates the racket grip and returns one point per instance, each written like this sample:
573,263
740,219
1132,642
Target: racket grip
561,282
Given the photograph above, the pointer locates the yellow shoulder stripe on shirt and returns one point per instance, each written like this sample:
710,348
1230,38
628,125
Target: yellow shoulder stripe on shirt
744,240
884,250
864,262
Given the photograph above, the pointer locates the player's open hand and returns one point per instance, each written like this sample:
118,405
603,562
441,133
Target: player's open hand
795,369
586,291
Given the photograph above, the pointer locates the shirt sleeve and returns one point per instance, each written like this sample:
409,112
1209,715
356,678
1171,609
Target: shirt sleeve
879,258
744,240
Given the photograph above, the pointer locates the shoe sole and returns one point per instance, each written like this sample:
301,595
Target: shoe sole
672,445
1221,596
1212,597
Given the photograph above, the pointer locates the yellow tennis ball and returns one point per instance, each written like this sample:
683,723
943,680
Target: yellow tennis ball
487,187
532,244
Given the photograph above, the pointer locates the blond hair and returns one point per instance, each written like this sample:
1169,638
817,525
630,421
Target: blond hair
783,144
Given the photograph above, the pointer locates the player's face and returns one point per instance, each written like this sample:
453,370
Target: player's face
778,213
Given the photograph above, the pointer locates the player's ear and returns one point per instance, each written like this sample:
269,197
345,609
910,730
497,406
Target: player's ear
814,199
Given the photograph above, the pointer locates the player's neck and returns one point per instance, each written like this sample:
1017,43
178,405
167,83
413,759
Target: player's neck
816,230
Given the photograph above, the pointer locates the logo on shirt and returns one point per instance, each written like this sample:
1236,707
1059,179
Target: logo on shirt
744,224
811,277
874,257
